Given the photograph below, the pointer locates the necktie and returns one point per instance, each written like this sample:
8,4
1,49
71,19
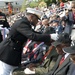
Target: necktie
62,60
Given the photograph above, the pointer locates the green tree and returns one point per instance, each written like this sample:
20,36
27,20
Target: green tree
49,2
33,4
23,5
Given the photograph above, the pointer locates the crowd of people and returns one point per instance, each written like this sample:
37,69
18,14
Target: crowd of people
39,41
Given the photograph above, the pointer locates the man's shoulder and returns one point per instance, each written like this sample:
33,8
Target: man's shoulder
21,22
23,19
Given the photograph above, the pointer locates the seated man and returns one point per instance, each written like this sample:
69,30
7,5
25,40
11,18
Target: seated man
63,63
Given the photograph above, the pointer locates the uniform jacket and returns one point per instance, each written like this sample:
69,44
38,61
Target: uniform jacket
11,47
63,69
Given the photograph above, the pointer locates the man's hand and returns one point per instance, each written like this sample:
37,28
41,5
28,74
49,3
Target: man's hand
54,36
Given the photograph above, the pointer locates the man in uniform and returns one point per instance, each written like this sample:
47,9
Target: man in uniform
11,47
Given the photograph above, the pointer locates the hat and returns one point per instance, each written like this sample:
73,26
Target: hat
38,13
62,38
70,50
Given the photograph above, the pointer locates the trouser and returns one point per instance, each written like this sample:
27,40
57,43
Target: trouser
6,69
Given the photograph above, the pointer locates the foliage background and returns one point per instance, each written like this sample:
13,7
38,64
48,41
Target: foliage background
39,3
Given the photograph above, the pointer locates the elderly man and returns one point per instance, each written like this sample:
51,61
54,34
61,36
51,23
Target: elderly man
63,63
11,47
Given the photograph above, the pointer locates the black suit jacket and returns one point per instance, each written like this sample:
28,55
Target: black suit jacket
11,47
